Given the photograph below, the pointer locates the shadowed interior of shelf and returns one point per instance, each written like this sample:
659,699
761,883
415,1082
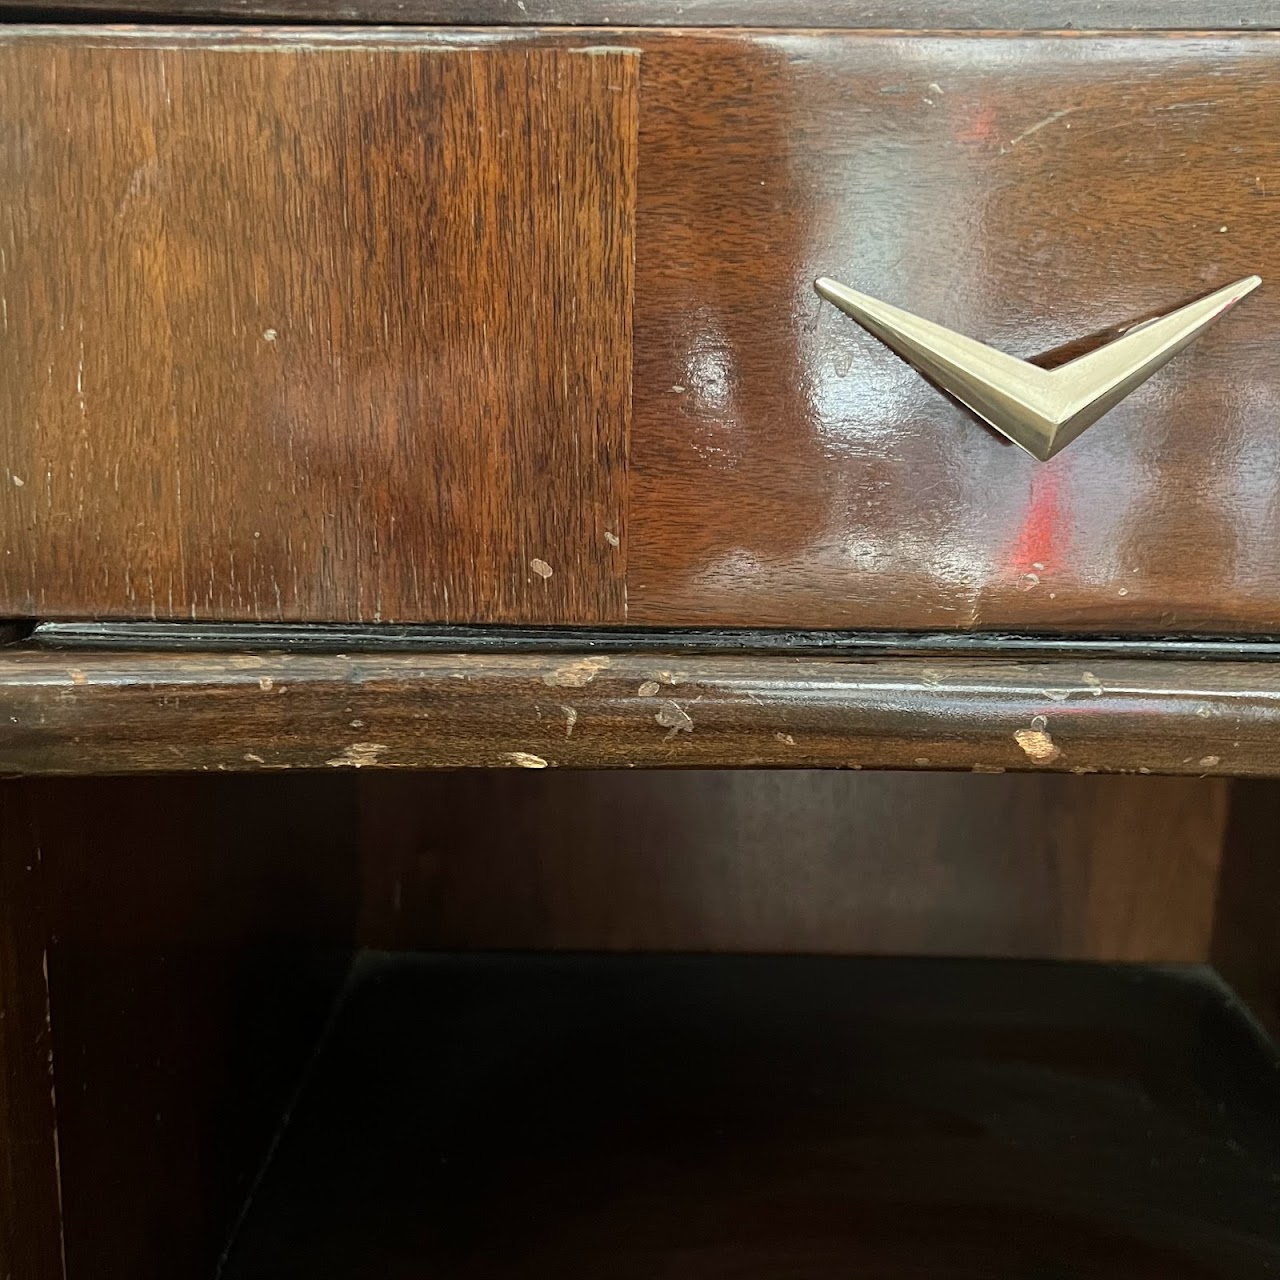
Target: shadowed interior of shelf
534,1116
658,1117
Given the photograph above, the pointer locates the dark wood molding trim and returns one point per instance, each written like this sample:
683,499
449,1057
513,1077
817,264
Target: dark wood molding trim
101,712
922,15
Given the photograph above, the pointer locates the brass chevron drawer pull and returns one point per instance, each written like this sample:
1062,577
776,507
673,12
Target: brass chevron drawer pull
1042,410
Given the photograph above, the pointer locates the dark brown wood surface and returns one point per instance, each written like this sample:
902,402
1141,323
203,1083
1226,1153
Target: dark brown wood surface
130,712
30,1206
1246,931
896,14
314,332
788,470
202,929
785,469
693,1117
794,861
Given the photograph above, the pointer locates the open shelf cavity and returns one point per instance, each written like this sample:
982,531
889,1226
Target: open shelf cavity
663,1116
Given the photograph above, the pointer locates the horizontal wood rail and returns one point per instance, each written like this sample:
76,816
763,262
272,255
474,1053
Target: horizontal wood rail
104,712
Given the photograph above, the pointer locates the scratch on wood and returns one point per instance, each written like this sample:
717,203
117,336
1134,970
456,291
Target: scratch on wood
1052,118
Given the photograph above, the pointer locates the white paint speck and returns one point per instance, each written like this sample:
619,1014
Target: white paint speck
358,754
574,675
1036,743
675,718
269,335
525,760
541,568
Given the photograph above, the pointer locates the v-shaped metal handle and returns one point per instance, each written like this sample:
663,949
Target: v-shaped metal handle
1042,410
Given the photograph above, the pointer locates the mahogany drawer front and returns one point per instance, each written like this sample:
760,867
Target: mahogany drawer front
788,470
343,326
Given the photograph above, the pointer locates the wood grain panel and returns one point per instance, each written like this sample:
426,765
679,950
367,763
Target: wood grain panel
30,1204
924,15
788,470
74,713
799,861
301,330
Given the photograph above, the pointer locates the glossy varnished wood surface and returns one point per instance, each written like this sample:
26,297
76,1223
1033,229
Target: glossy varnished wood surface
313,331
793,861
897,14
788,470
784,468
136,712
